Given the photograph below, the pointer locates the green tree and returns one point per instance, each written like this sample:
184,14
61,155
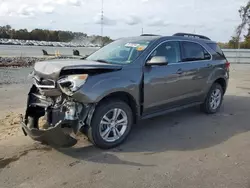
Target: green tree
106,40
233,42
53,36
65,36
22,34
5,31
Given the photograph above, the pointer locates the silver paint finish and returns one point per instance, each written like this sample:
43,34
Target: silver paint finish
215,99
113,125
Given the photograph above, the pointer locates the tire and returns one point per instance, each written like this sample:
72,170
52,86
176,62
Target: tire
107,108
208,106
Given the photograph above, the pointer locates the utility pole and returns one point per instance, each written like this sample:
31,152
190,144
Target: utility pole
102,19
142,28
102,23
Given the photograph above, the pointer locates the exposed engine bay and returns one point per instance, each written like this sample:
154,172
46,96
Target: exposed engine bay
53,116
61,117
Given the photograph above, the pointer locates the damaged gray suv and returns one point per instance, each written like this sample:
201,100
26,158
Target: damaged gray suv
130,79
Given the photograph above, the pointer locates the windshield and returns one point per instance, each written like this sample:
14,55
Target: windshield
122,51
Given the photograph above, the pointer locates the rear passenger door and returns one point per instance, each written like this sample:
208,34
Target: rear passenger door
196,66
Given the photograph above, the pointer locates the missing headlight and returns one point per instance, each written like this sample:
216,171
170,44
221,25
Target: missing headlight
72,83
66,84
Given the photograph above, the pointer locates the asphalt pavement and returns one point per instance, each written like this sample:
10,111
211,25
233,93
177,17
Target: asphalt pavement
186,149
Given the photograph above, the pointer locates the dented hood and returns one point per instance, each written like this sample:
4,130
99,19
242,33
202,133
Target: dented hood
52,68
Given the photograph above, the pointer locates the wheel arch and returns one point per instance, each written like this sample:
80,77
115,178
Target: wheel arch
125,97
222,82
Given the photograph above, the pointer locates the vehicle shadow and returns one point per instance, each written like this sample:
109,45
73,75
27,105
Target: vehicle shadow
180,131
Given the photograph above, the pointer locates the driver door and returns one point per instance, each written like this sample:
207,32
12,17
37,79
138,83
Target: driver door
162,83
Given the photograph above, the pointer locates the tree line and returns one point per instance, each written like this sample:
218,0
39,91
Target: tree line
8,32
234,43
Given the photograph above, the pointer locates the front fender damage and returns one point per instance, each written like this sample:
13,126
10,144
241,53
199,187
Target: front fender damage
64,119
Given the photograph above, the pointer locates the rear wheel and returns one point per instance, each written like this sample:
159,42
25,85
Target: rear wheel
213,100
111,124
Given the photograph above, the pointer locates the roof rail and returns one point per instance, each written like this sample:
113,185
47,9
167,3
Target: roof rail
191,35
149,35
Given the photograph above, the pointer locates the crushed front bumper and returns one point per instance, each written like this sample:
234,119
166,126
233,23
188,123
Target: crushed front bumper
54,136
62,120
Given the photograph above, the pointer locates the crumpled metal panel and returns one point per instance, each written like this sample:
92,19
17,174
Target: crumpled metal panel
54,136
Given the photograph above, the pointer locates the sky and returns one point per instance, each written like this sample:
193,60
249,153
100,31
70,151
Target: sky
216,19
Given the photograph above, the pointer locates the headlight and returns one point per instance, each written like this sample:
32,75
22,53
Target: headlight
72,83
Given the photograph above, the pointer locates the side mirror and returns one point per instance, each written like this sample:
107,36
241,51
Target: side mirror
158,60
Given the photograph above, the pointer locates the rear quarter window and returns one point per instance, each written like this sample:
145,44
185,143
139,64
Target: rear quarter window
215,47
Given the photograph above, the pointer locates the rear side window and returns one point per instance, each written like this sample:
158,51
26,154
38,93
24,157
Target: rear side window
216,48
194,52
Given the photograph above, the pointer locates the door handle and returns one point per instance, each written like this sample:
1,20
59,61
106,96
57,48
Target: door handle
179,71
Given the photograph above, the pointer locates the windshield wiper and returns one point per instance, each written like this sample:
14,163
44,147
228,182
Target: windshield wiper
84,57
102,61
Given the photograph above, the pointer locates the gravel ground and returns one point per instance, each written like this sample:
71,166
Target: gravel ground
26,61
19,61
185,149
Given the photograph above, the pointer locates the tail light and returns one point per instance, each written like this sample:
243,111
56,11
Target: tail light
227,64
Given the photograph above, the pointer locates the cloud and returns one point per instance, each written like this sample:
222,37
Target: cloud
106,20
192,25
26,11
132,20
157,22
48,9
4,9
75,2
70,2
230,20
52,21
155,15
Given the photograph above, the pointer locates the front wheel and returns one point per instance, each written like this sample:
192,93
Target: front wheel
111,124
213,100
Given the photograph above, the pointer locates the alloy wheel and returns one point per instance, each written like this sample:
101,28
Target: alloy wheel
113,125
215,99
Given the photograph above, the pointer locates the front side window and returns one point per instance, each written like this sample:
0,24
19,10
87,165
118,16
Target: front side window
170,50
121,51
194,52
